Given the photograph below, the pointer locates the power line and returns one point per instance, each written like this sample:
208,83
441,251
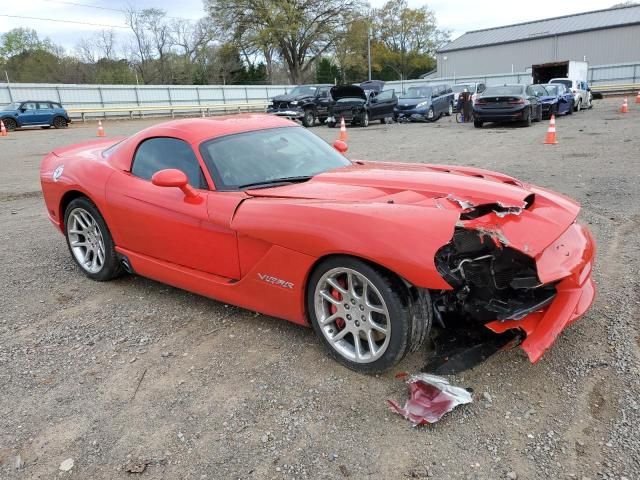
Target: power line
22,17
62,2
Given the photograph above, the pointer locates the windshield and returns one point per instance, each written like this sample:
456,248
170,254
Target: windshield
268,156
418,92
460,88
552,89
503,90
303,90
566,83
12,106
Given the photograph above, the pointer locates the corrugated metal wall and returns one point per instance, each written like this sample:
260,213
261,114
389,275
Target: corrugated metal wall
600,47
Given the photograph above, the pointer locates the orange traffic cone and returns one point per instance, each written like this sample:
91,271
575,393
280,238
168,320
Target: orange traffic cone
551,132
625,106
343,130
638,98
3,129
100,129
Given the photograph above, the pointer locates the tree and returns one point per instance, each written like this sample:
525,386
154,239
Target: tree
301,30
327,71
22,40
410,38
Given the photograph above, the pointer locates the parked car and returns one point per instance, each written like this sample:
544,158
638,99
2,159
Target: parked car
269,217
555,99
307,103
582,97
425,102
34,113
474,89
507,103
360,106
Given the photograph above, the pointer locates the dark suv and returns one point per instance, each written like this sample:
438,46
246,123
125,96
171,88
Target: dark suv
34,113
304,102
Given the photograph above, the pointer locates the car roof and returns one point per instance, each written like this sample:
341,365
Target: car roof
36,101
197,130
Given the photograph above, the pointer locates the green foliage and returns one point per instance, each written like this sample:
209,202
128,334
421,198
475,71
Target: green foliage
327,71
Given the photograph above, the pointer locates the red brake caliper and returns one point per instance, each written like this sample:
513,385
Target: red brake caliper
340,323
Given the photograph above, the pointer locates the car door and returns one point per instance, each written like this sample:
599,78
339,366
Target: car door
160,222
533,100
28,113
322,102
384,104
45,113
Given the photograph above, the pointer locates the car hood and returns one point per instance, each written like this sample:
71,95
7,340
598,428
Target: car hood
347,91
548,99
290,97
462,190
411,102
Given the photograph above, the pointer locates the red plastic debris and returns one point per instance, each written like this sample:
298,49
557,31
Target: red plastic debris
430,397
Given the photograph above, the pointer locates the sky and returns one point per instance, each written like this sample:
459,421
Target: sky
458,16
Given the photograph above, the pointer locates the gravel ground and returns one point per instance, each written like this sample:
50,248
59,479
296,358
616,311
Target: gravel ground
132,374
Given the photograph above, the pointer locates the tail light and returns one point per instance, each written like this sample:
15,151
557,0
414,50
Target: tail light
518,101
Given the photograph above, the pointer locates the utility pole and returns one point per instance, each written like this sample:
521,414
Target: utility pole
369,50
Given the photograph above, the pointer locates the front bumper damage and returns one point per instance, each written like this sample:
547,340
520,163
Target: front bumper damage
295,113
511,272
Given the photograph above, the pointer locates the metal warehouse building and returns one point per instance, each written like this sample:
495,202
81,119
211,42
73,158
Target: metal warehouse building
601,37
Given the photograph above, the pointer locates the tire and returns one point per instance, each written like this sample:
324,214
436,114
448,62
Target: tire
364,119
431,115
84,224
309,119
449,110
590,104
406,318
578,106
59,122
478,123
527,122
331,124
10,124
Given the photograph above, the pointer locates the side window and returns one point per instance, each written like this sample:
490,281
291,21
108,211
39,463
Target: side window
44,106
323,93
29,106
159,153
385,95
481,88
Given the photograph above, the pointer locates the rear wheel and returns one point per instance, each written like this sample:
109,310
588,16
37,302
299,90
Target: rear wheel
89,241
309,119
59,122
527,121
331,124
10,124
478,123
366,319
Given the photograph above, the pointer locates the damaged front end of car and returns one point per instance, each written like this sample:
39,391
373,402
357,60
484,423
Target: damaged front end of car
510,277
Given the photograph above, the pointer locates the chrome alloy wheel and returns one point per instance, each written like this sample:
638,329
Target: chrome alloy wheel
352,315
85,239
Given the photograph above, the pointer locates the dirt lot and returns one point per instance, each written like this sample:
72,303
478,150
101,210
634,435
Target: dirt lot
225,393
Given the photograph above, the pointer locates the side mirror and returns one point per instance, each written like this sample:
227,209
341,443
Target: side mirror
22,110
172,177
340,146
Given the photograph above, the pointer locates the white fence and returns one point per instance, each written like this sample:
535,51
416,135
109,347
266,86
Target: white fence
106,96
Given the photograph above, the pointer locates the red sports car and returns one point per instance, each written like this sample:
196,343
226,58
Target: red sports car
258,212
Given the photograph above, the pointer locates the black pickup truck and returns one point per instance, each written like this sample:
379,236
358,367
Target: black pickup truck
305,102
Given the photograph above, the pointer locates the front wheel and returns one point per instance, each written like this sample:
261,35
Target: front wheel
331,124
364,119
59,122
309,119
10,124
431,115
366,319
89,241
450,110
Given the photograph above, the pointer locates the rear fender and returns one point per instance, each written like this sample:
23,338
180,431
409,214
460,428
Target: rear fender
401,238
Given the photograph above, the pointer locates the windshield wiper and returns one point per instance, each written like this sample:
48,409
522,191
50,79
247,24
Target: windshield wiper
277,181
